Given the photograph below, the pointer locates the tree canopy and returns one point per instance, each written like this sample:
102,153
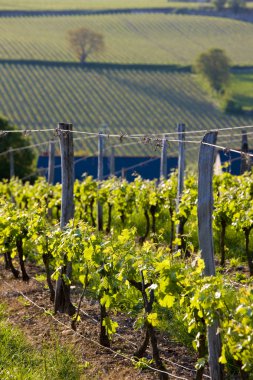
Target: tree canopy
84,42
24,160
214,66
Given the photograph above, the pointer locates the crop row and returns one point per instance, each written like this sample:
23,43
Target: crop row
132,38
125,101
147,279
86,4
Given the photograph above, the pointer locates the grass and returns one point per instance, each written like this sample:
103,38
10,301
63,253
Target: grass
91,4
242,90
129,38
127,101
20,361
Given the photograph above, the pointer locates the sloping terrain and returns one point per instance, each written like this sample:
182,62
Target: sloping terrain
126,101
129,38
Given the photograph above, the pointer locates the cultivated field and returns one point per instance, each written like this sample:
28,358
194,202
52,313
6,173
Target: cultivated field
129,38
127,101
94,4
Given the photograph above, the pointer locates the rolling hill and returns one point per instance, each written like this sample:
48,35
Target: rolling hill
129,38
126,101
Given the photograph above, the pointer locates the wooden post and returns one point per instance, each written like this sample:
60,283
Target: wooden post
51,162
163,164
205,209
11,156
112,162
100,178
180,183
123,173
245,160
62,301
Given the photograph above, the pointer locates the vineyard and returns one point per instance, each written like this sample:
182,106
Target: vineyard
127,101
144,279
150,38
136,263
94,5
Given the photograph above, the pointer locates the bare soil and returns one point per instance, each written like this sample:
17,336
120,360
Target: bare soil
40,326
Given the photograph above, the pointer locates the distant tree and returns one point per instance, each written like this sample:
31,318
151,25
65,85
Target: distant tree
214,66
84,42
219,4
236,5
24,160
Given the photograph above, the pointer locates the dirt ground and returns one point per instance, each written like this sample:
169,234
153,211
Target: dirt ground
36,320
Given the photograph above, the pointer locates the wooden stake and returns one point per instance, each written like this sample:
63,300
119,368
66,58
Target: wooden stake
100,178
180,183
112,162
181,161
62,301
245,160
205,209
163,165
51,162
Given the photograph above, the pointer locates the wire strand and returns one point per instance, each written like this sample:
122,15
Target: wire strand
116,353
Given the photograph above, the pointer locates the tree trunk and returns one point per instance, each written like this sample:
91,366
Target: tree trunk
103,337
62,301
19,245
153,209
108,227
15,272
6,261
93,222
144,344
143,238
180,235
155,353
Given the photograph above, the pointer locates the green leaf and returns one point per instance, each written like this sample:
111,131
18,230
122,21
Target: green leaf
167,301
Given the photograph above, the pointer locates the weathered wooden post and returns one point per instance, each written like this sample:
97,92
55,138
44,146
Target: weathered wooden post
112,162
205,210
62,301
163,164
180,183
51,154
245,159
100,178
11,157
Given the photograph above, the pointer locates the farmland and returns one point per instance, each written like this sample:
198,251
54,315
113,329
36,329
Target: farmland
129,38
138,269
127,101
88,5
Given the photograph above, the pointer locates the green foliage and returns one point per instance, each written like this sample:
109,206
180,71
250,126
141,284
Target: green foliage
214,66
219,4
231,106
236,5
124,276
24,161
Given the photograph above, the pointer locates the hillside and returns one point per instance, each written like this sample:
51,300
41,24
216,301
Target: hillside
129,38
126,101
42,83
88,4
